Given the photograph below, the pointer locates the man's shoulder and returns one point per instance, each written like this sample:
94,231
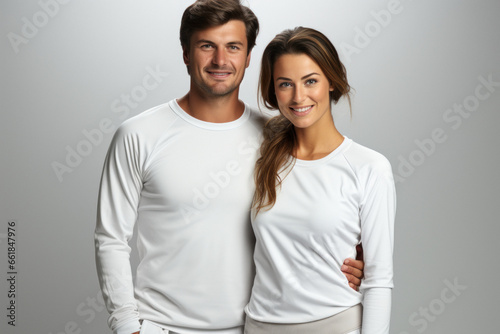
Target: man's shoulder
149,121
258,117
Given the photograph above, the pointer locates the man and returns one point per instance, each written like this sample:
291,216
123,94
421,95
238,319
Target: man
183,171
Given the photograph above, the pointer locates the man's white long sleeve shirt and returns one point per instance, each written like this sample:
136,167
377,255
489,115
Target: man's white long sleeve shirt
188,185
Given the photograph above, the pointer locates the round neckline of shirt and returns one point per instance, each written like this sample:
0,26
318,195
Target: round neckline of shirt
209,125
331,155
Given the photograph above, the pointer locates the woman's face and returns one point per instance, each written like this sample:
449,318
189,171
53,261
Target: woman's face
302,90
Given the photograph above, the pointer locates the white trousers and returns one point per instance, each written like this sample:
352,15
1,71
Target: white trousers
149,327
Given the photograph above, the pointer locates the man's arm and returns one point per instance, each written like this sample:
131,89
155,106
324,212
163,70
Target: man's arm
353,269
119,195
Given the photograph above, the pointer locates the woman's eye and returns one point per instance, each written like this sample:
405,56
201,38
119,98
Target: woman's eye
285,84
311,81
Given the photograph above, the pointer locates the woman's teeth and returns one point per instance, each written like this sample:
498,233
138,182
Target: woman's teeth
301,109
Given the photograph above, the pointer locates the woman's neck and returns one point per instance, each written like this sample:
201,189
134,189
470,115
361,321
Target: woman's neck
316,142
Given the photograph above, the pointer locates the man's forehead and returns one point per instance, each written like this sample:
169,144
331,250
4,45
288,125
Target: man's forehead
231,32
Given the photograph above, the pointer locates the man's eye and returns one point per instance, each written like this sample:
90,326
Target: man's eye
234,47
206,46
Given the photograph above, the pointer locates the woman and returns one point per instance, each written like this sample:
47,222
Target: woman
318,194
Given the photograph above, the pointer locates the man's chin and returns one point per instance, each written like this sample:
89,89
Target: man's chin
221,91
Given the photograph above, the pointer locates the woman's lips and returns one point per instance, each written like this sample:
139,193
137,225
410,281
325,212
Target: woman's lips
301,111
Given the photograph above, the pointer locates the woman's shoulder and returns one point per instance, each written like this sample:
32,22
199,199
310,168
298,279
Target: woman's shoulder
365,160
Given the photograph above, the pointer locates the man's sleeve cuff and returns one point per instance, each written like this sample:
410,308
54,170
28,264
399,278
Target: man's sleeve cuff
128,327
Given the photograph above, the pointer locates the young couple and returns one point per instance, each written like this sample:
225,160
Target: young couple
190,177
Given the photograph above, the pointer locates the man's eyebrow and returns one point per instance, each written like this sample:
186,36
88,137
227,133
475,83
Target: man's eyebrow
206,41
304,77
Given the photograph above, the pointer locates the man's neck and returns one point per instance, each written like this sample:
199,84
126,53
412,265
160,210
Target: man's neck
212,109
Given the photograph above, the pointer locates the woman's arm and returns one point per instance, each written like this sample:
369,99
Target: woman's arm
377,213
376,310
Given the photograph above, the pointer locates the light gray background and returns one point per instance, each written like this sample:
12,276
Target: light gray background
66,77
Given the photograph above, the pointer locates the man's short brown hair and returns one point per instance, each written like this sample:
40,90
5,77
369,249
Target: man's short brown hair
204,14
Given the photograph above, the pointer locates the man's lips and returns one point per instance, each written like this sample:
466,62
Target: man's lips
219,74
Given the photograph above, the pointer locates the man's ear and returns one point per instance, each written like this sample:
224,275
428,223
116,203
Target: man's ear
185,56
248,59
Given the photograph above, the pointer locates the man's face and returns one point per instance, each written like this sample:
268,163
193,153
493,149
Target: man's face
217,59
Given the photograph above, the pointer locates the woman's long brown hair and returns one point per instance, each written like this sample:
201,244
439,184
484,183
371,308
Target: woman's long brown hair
277,149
